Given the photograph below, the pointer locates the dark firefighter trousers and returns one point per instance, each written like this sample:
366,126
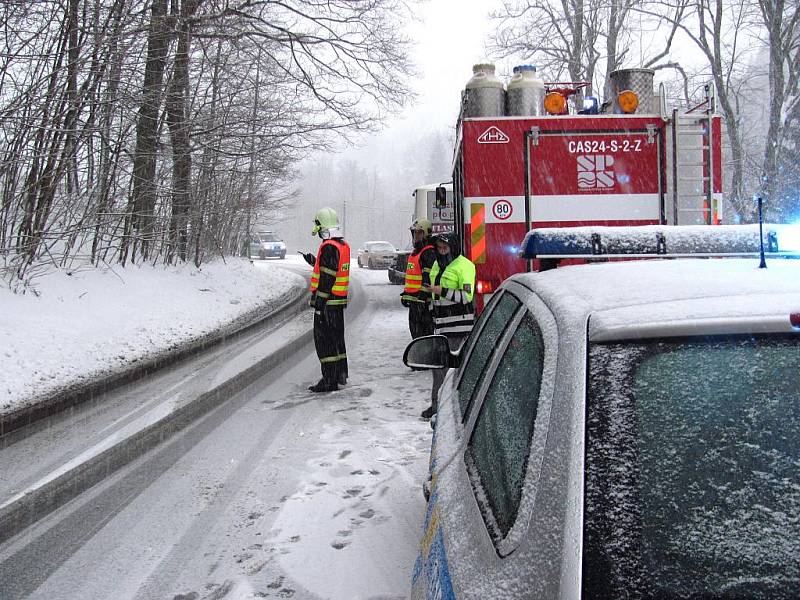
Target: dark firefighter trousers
420,319
329,343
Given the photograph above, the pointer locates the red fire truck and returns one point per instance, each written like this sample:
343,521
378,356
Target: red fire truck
514,173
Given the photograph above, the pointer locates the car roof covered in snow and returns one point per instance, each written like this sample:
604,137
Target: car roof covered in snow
683,240
645,298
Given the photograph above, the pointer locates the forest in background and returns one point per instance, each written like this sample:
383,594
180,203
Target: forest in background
160,131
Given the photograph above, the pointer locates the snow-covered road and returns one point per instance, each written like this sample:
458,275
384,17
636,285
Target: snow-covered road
278,493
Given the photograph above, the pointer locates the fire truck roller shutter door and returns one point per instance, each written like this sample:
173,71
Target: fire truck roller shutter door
595,208
597,176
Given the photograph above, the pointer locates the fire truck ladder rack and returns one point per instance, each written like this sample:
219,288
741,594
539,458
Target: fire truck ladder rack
693,162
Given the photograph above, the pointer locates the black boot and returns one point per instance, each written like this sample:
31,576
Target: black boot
428,412
342,380
323,386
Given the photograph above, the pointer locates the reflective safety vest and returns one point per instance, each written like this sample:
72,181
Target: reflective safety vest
338,293
450,317
414,276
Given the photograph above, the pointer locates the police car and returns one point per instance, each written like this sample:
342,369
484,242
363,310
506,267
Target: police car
267,244
621,430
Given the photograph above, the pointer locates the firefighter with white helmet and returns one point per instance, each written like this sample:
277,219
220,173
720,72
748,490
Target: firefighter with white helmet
452,288
418,270
329,287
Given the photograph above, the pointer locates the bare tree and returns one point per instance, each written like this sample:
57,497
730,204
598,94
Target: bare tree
346,58
243,88
179,130
583,40
144,191
781,168
342,64
718,29
551,32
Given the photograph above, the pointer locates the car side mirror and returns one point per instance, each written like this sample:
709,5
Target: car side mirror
441,197
430,352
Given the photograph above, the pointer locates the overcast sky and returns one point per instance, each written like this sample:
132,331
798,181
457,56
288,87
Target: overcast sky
450,39
450,36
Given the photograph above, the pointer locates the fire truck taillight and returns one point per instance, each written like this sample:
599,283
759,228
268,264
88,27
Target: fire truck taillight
628,101
555,103
484,287
794,319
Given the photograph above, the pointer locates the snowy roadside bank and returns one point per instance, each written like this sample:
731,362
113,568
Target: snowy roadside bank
95,324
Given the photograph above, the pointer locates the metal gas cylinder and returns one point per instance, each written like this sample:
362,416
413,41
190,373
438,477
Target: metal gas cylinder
525,95
485,94
639,81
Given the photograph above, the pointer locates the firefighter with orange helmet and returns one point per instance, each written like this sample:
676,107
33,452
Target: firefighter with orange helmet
418,271
329,286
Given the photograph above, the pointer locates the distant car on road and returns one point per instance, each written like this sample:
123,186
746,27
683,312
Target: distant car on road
620,430
267,244
376,255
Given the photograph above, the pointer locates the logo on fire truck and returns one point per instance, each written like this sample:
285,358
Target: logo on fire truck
493,136
594,172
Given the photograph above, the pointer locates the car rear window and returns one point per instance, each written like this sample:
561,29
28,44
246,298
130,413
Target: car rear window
380,247
692,485
497,453
497,320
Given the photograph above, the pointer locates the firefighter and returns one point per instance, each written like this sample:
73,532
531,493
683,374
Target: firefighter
329,284
452,288
418,271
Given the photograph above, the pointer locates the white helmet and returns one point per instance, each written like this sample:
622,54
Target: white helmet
326,224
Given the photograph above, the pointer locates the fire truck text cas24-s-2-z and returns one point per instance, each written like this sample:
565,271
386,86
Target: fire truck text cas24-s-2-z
613,145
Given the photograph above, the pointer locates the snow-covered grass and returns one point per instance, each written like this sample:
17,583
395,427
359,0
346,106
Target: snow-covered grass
88,323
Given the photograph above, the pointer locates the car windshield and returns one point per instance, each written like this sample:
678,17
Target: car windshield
380,247
692,485
269,237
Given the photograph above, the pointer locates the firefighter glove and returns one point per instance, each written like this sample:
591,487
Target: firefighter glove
309,258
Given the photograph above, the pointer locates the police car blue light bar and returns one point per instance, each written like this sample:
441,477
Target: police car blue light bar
659,240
